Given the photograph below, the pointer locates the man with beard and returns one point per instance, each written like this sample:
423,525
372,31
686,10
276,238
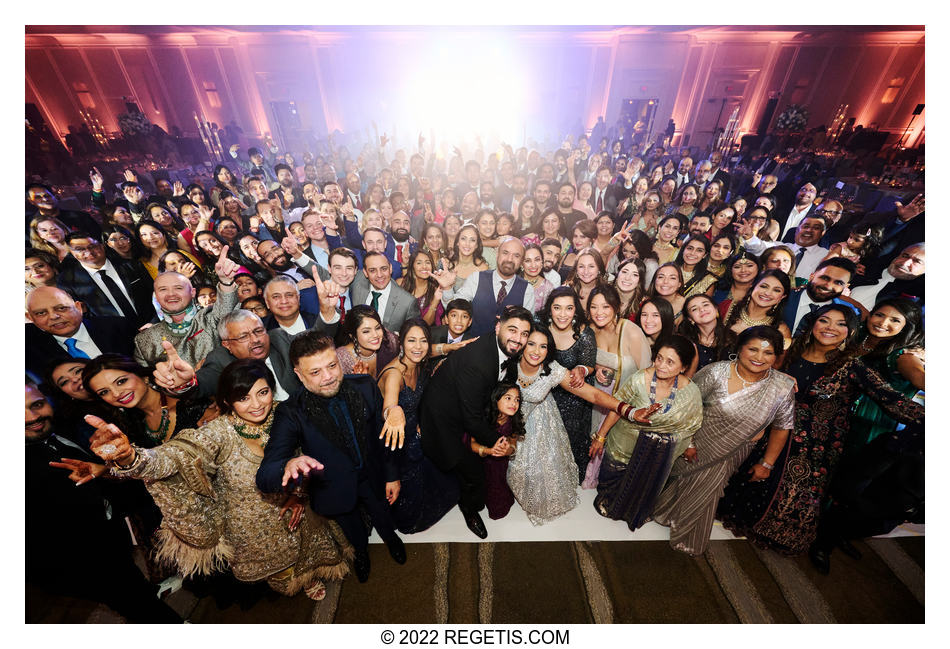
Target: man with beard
75,545
699,225
565,206
490,291
277,261
683,171
807,248
716,172
511,199
454,402
43,198
825,285
399,226
336,422
468,208
487,195
289,194
192,330
374,287
551,249
904,277
542,195
703,169
804,206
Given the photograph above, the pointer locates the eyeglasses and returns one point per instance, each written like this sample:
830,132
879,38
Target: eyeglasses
117,237
84,250
243,338
830,212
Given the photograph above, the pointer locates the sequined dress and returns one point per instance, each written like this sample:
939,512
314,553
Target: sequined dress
213,514
575,412
542,474
426,493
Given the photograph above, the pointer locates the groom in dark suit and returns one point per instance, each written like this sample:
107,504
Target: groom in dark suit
335,420
456,400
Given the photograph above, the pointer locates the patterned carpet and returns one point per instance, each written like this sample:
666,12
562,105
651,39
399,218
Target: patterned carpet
586,582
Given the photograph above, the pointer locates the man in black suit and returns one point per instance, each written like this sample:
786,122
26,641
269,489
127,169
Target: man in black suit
903,226
107,284
606,196
58,331
720,174
455,402
803,208
336,421
283,301
72,546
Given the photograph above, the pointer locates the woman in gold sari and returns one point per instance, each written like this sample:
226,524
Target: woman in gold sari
213,514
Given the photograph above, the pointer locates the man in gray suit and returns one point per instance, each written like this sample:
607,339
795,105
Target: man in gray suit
376,288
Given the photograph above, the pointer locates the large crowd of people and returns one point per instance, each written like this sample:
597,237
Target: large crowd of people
251,373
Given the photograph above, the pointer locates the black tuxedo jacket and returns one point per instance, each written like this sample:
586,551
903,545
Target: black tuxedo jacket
309,319
456,399
333,490
136,280
111,335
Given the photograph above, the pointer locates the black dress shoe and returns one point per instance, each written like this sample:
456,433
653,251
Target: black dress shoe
820,559
474,522
361,564
845,546
397,550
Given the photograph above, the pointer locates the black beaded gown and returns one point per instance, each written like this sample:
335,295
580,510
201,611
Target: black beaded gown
426,493
575,412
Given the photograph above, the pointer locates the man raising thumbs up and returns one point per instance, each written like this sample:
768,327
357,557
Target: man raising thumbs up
190,329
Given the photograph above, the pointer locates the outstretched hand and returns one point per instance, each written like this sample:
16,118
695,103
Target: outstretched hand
394,428
226,269
299,466
108,442
80,472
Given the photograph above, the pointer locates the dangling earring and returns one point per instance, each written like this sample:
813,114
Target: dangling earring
733,357
573,321
401,353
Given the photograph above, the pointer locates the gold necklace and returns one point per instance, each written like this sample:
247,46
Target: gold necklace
743,315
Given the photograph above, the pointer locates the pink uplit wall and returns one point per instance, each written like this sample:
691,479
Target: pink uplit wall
539,81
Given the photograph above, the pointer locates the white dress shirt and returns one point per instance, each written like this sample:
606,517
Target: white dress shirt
297,327
804,308
867,295
383,298
84,342
554,277
808,264
599,193
795,217
470,288
114,274
502,357
280,394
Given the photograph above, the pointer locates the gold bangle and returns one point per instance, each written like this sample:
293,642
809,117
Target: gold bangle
602,439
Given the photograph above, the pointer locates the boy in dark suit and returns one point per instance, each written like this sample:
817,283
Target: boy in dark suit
453,335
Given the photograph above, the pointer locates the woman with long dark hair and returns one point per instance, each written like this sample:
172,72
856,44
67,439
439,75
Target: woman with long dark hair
575,349
630,282
363,345
720,250
762,305
655,319
702,326
425,494
737,281
588,273
778,508
419,282
691,260
467,255
214,516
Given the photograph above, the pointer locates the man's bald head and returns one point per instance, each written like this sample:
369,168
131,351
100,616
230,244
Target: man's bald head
52,310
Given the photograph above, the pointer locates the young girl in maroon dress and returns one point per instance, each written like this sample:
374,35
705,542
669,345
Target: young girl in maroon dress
504,409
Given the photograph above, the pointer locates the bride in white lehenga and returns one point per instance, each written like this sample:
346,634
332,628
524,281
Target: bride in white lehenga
542,473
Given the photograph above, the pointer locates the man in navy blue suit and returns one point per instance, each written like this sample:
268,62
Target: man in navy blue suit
336,421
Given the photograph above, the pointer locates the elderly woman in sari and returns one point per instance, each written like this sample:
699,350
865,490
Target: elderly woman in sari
213,514
639,456
740,399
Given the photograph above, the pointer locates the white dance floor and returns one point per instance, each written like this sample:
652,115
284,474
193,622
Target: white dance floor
582,523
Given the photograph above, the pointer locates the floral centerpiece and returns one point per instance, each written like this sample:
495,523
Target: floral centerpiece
793,119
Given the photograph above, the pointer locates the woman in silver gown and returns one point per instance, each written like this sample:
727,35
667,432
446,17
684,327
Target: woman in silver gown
740,399
542,473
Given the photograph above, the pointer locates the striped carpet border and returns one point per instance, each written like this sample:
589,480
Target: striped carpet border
597,597
900,563
736,585
806,602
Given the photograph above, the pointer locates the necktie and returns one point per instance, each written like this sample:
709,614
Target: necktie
399,253
74,351
799,256
342,307
375,303
502,294
124,305
600,202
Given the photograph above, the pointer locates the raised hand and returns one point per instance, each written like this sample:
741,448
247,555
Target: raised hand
226,269
394,428
912,209
173,372
130,176
233,150
80,472
96,177
383,140
187,269
289,244
206,212
108,442
301,465
445,277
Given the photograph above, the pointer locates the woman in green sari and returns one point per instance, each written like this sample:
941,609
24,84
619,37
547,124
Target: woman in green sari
639,456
